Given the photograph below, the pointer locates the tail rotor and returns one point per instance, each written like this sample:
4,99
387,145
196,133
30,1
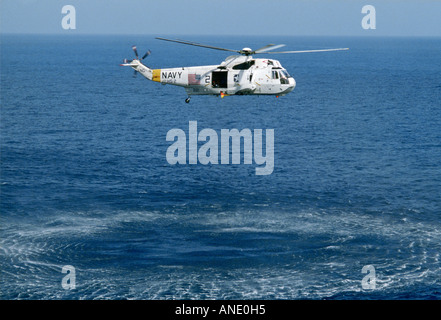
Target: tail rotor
128,62
146,55
135,51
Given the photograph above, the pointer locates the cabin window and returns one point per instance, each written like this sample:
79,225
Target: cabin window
275,74
244,66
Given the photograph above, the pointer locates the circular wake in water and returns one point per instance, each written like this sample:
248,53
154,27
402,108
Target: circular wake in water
254,254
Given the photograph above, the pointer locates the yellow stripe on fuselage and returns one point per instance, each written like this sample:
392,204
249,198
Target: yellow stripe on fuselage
157,75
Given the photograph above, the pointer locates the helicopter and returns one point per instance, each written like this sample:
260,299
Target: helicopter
238,74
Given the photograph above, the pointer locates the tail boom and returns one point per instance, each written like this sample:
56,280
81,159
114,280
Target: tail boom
141,68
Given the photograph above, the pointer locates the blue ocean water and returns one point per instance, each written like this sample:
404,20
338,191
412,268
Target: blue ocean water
85,181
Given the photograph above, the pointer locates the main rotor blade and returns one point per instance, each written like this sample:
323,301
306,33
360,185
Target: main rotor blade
198,45
305,51
268,48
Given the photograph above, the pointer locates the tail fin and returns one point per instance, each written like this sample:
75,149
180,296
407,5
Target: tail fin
139,67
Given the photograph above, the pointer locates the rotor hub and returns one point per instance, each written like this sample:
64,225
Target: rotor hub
246,51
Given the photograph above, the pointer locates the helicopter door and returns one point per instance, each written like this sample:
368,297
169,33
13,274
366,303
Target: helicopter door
219,79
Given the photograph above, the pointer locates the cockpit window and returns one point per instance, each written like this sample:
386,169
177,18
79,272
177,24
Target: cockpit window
284,77
285,73
244,66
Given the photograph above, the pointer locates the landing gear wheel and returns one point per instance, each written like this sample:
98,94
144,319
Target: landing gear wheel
187,100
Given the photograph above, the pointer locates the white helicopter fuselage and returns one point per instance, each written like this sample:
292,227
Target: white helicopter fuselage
237,75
